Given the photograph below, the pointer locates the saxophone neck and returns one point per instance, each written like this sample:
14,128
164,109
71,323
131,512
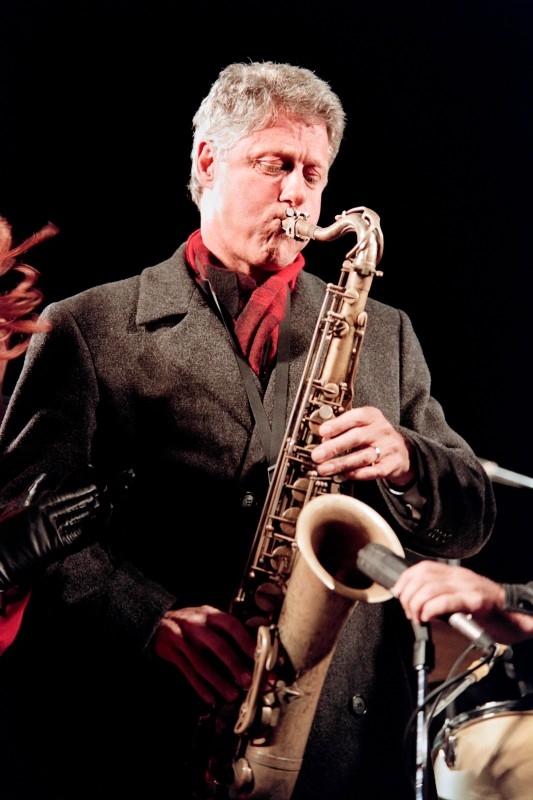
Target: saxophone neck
362,221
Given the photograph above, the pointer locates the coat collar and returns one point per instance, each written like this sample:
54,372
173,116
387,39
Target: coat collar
165,289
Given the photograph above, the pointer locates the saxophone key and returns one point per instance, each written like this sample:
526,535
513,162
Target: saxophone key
281,560
324,412
288,520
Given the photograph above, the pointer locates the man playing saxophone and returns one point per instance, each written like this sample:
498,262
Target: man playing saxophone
188,373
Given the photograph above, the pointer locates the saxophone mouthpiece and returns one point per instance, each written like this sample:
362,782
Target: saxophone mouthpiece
296,225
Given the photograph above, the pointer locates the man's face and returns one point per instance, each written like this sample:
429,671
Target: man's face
245,195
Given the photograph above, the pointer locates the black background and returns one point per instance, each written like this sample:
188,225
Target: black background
95,134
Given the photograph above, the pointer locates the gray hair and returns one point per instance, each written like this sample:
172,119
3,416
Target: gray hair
246,97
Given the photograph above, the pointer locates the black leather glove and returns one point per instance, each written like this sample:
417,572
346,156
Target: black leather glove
36,534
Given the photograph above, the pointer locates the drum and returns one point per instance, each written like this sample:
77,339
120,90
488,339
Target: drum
486,753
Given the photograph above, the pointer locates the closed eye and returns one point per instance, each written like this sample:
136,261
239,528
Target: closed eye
272,167
311,176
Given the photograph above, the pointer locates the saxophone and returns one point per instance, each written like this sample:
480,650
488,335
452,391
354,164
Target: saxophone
301,582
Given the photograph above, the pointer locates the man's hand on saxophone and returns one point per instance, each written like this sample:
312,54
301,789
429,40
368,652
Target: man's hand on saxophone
361,444
212,649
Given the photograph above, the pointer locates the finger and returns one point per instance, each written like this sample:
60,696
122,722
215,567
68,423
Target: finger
210,678
352,419
414,594
331,448
239,671
167,647
237,633
223,636
439,606
362,464
206,676
196,678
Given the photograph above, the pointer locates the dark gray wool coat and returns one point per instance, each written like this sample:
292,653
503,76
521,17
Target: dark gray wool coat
140,373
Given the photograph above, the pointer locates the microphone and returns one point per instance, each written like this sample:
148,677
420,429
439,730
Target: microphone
506,476
384,567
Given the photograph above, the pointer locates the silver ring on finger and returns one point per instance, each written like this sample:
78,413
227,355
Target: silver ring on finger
378,455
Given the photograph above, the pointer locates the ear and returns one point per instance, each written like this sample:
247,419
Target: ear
205,164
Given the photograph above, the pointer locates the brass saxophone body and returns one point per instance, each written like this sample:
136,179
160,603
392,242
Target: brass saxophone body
301,582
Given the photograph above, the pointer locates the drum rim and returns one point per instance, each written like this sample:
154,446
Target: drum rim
521,705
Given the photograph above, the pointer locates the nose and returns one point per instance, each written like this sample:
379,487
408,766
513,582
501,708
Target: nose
293,189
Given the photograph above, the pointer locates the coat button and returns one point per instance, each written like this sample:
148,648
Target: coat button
357,705
247,500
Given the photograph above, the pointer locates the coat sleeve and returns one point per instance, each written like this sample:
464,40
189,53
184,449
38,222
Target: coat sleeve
459,513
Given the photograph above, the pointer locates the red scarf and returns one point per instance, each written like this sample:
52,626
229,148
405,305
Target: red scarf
11,622
257,324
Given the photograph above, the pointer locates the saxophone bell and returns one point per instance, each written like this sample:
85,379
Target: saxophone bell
331,530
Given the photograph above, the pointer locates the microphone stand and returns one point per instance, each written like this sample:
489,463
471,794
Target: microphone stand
423,662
